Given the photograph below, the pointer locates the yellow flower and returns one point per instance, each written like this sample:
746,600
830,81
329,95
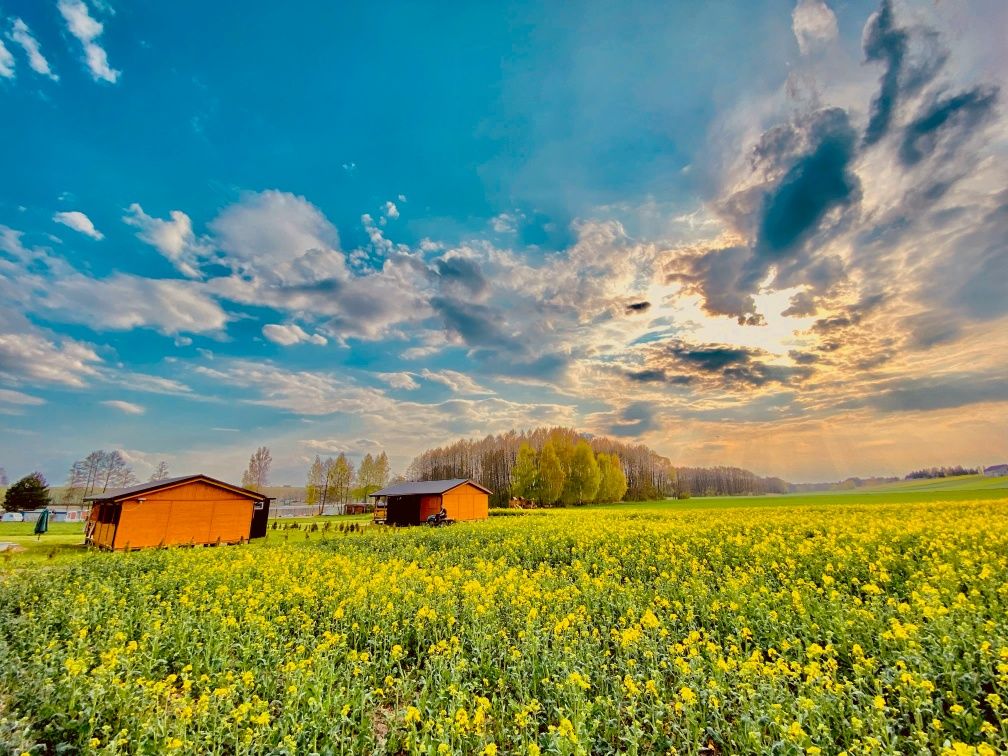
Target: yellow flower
412,715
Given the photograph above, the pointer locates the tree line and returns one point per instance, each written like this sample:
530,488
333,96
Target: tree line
725,481
566,473
950,471
491,461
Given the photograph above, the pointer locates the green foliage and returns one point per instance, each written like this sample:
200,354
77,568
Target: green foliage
583,476
525,473
551,474
31,492
613,482
316,474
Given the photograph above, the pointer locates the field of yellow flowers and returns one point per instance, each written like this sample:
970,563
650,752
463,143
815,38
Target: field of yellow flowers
813,629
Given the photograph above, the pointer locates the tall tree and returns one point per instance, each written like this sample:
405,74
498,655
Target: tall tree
31,492
313,490
551,475
525,473
613,483
583,476
160,472
256,475
381,470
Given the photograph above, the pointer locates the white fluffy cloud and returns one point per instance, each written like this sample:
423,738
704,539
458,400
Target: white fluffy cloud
78,221
122,302
460,383
814,25
173,238
391,210
9,396
33,356
6,62
127,407
21,34
290,334
87,30
280,238
401,380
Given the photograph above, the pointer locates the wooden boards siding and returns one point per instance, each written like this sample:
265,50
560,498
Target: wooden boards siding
195,513
466,502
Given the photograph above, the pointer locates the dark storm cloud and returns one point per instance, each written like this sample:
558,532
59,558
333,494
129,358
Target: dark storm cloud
802,304
638,307
710,357
680,363
462,272
635,419
912,58
953,118
803,358
659,376
817,182
785,216
714,275
476,324
884,43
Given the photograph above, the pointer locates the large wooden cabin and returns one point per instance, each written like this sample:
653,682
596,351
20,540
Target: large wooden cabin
190,510
413,503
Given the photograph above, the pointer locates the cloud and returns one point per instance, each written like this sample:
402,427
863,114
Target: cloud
715,366
173,238
637,307
78,221
950,119
391,210
122,302
8,396
87,30
33,356
279,237
459,383
128,408
817,182
400,380
22,35
290,334
301,392
814,25
912,58
6,62
461,273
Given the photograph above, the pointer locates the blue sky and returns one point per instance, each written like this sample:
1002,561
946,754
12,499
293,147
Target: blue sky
766,234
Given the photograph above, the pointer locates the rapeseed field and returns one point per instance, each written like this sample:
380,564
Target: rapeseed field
858,629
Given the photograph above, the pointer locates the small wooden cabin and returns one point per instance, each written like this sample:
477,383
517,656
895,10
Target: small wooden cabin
190,510
413,503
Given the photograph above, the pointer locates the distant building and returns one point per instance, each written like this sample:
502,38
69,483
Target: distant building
190,510
413,503
996,471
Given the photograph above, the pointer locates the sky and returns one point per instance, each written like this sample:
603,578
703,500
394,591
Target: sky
763,234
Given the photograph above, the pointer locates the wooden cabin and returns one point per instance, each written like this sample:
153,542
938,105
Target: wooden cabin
413,503
190,510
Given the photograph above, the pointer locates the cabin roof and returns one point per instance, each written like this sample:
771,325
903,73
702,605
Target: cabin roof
426,487
115,494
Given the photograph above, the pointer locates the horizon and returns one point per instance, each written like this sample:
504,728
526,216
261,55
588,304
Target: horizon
771,237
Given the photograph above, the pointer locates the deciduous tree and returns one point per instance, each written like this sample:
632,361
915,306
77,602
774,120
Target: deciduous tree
31,492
